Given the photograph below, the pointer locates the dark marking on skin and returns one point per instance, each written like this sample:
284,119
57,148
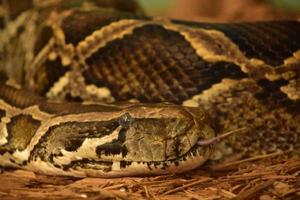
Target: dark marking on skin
3,151
74,144
24,163
2,114
124,164
85,163
176,163
21,129
156,163
48,74
165,166
1,27
70,136
193,153
154,64
177,149
43,38
149,165
3,76
52,156
113,148
116,146
272,95
58,166
70,98
122,135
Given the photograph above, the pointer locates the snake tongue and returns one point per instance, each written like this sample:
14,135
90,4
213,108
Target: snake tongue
209,141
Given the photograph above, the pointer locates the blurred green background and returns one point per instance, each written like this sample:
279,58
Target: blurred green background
288,4
154,5
223,10
159,5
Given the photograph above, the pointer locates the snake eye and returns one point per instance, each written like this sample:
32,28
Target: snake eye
125,120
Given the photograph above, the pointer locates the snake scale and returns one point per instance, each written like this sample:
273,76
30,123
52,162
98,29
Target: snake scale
94,91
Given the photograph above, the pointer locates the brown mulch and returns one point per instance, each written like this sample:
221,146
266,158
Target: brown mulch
267,177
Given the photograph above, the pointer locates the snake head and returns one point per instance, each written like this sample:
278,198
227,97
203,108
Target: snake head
163,139
139,139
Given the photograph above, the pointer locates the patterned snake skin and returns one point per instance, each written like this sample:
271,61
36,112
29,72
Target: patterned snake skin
60,59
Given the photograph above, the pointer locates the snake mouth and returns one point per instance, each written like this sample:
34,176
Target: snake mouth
83,167
194,158
90,167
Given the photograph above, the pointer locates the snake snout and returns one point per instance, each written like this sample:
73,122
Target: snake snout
170,134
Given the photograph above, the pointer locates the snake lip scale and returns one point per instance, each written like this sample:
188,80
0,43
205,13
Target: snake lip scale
87,93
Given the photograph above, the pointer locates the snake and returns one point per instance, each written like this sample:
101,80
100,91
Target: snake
98,88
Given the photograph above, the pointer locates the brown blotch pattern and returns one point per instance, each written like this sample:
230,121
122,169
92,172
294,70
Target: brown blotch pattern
154,64
268,129
271,42
273,96
44,36
21,129
82,23
48,74
70,136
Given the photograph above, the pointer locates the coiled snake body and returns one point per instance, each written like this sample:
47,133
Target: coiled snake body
243,75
